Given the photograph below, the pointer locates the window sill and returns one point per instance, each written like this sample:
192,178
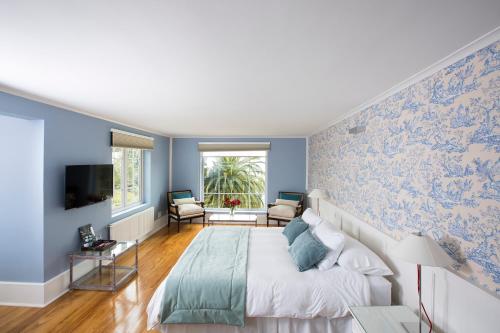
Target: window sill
222,211
129,210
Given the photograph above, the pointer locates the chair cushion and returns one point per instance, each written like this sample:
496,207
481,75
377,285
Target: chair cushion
184,201
190,209
292,203
290,196
181,195
294,229
282,211
307,251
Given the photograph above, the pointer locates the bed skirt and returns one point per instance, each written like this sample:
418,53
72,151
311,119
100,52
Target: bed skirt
267,325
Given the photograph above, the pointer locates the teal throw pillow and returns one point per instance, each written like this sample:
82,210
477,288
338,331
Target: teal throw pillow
307,251
294,228
181,195
289,196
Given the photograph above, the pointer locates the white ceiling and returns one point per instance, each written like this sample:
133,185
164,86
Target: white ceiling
227,67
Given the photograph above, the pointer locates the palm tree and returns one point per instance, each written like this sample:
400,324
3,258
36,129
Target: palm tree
237,178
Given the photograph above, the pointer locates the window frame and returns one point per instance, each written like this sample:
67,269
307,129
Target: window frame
123,192
246,210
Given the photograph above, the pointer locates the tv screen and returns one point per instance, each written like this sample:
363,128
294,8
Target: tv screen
88,184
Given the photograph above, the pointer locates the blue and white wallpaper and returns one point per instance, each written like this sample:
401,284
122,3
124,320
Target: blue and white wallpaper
429,161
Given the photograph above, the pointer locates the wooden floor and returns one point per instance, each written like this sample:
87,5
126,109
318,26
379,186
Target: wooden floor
98,311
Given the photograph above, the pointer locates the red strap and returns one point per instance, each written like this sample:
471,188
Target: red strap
423,307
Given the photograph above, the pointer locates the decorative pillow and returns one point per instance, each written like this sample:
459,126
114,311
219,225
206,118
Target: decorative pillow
184,201
310,217
294,228
181,195
307,251
290,196
282,211
357,257
190,209
292,203
333,240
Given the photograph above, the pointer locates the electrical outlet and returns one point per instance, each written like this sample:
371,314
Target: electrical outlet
357,130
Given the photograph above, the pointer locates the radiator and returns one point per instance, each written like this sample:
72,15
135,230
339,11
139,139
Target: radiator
133,227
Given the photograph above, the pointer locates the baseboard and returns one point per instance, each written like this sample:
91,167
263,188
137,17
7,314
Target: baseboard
33,294
21,294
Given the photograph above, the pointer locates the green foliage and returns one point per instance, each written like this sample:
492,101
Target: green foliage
127,163
235,177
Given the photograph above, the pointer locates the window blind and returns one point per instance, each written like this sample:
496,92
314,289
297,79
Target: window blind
124,139
233,146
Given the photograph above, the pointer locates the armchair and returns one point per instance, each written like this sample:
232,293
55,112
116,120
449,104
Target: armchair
284,213
186,211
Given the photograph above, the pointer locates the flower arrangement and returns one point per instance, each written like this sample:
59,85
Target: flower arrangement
231,204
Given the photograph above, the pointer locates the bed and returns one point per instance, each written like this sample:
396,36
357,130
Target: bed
279,298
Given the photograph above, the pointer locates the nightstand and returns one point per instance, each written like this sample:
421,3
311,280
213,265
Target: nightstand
385,319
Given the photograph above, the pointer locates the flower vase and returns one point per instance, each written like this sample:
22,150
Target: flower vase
231,211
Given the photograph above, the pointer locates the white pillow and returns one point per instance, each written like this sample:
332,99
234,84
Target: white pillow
333,240
357,257
310,217
184,201
292,203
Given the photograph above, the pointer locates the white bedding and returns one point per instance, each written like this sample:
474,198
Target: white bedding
276,289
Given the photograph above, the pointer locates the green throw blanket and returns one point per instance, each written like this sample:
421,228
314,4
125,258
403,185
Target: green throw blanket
208,284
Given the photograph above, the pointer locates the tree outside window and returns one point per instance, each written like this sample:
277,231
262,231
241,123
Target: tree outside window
127,178
237,175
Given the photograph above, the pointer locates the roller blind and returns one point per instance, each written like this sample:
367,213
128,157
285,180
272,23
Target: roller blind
233,146
124,139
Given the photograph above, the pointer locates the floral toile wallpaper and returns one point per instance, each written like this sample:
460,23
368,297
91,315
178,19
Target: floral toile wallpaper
428,161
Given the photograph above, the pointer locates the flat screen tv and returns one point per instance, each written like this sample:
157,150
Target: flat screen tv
88,184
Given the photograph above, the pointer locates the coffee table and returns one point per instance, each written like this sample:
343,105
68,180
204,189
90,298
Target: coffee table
236,218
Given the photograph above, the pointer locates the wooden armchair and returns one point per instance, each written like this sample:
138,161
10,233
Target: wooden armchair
283,213
183,212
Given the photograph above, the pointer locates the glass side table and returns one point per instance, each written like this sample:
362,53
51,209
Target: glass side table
104,277
385,319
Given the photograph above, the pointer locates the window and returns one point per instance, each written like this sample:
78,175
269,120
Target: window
237,175
127,178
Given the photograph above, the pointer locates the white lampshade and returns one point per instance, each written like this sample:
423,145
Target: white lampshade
421,249
319,194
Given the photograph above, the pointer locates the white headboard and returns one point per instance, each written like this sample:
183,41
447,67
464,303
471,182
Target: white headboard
453,304
377,241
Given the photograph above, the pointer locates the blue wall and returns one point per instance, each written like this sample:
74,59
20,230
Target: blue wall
286,164
21,199
72,138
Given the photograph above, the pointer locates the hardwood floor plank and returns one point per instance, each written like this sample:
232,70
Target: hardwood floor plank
99,311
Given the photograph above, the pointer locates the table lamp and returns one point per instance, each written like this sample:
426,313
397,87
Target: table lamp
318,194
424,251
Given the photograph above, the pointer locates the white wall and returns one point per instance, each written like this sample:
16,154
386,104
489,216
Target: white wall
21,186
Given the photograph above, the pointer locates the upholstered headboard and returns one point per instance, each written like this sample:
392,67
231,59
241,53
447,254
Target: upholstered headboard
448,298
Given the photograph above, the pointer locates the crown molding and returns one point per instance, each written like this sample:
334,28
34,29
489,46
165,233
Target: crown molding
459,54
65,107
241,137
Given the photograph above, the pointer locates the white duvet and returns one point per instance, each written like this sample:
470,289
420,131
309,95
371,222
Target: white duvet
275,288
